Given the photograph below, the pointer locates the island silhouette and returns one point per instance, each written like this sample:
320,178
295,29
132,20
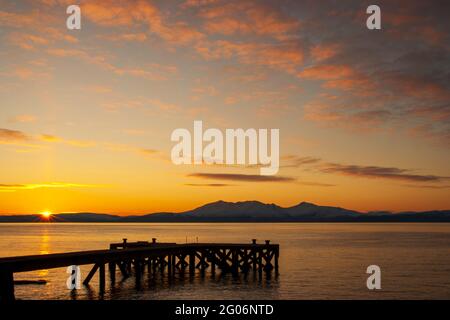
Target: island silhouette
246,211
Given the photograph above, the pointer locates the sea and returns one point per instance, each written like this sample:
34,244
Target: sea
317,260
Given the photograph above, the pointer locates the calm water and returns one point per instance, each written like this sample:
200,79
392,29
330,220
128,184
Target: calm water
317,260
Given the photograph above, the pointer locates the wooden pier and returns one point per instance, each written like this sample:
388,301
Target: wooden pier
129,258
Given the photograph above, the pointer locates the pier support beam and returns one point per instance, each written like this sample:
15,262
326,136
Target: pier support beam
6,286
91,274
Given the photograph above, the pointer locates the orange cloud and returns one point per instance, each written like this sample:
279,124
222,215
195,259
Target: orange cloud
75,143
342,77
27,41
132,13
163,105
415,25
432,133
423,89
26,73
436,113
321,52
98,89
8,136
245,17
120,147
353,120
24,118
154,72
208,90
286,57
113,13
198,3
18,20
360,85
50,138
139,37
326,72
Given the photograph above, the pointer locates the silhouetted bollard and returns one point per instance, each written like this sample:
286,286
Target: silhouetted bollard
253,241
267,242
153,240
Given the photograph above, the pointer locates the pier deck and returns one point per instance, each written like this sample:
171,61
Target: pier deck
135,257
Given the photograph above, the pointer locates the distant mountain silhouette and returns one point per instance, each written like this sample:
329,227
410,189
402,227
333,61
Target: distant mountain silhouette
311,210
248,211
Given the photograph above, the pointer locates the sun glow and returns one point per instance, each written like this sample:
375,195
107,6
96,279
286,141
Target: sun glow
46,214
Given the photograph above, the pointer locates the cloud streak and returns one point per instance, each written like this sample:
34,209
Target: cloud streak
33,186
72,142
15,137
208,184
316,184
391,173
7,135
23,118
241,177
293,161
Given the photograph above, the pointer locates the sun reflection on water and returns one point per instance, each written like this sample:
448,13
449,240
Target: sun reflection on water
44,248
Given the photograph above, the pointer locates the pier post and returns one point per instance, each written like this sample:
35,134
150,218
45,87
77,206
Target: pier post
213,261
138,271
102,277
162,263
235,259
6,286
112,271
192,263
122,268
174,264
254,261
169,265
277,254
268,260
260,265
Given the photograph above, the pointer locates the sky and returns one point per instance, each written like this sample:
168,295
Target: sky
86,115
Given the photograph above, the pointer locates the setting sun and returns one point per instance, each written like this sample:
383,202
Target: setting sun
46,214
